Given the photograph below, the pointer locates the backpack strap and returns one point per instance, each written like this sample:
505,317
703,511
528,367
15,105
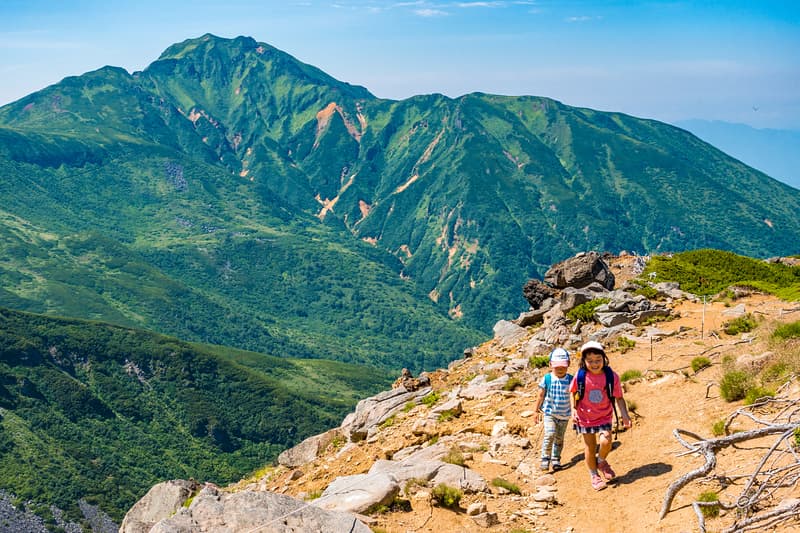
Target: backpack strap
581,384
547,382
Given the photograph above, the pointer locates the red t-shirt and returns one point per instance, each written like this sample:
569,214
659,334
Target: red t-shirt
595,408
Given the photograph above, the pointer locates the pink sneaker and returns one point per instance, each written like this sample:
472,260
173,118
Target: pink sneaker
598,483
606,470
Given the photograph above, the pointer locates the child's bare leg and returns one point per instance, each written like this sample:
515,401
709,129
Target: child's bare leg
589,447
605,445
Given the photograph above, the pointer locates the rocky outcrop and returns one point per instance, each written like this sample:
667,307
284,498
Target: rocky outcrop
580,271
160,502
371,412
215,511
309,449
537,293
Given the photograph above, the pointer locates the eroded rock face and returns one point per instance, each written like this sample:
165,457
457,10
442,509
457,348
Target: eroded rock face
580,271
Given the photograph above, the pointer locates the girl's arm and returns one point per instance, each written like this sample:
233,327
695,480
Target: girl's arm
623,412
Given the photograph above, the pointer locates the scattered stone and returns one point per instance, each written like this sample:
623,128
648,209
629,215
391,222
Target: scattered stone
486,519
476,508
735,312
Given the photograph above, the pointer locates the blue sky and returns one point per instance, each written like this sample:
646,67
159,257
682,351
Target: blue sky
737,61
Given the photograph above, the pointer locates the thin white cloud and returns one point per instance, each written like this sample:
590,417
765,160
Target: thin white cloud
480,4
429,12
582,18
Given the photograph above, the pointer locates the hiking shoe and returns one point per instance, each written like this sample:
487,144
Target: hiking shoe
556,464
606,470
545,466
598,483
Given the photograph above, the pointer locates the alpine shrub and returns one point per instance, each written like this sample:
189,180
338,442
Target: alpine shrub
585,311
502,483
787,331
709,511
742,324
756,393
447,496
734,385
699,363
630,374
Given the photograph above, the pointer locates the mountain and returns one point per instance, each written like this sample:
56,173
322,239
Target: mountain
774,152
231,194
96,413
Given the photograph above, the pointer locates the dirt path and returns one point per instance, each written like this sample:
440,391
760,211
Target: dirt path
646,458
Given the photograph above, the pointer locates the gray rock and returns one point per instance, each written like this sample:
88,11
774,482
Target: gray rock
309,449
735,312
476,508
160,502
486,519
214,511
507,333
356,494
372,411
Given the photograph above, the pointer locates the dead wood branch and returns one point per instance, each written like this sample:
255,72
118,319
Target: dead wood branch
779,468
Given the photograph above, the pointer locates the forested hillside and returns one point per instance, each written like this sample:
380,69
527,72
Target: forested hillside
98,412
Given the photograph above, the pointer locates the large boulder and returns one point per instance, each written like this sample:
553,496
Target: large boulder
580,271
161,501
357,494
216,511
537,293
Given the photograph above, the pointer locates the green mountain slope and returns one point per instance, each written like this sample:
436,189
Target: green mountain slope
99,412
222,144
464,198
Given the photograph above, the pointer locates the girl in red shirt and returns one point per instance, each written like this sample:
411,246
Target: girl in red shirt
593,412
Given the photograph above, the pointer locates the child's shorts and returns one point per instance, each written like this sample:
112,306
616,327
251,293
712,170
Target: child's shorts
593,429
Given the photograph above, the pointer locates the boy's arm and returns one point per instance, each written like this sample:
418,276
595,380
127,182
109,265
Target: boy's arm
623,412
539,402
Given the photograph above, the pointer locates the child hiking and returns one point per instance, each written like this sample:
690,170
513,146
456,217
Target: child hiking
553,407
594,389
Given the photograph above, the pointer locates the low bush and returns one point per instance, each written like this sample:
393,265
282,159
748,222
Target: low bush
502,483
699,363
625,344
454,457
447,496
585,311
734,385
742,324
630,374
431,399
709,511
718,429
787,331
539,361
512,384
756,393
